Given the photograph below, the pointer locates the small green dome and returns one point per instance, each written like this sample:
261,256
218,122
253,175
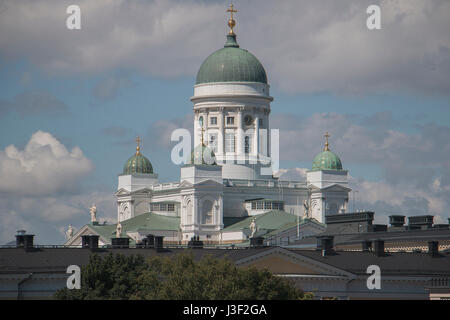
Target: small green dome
231,64
137,164
208,155
326,160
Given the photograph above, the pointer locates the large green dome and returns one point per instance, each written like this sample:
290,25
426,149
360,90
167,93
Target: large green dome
231,63
137,164
326,160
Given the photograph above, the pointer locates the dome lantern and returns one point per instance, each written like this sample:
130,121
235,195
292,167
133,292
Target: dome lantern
138,163
231,63
327,160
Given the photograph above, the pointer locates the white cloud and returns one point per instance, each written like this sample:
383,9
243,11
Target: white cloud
43,167
306,46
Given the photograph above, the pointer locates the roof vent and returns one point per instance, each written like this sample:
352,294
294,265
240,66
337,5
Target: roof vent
325,244
24,240
397,220
148,241
433,248
89,241
120,243
422,222
256,242
379,227
366,246
158,244
378,247
195,243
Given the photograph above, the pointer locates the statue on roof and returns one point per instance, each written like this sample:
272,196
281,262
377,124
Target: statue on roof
69,232
119,230
253,227
305,208
93,213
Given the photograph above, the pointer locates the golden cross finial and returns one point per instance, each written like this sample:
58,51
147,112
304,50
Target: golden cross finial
231,22
138,148
326,148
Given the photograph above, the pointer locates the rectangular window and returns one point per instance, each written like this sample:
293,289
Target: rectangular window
230,120
213,121
259,205
253,205
275,206
281,206
267,205
230,142
248,144
260,122
163,207
212,142
170,207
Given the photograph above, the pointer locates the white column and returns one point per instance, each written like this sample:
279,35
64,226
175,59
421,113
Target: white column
240,131
196,128
221,135
268,135
206,124
256,137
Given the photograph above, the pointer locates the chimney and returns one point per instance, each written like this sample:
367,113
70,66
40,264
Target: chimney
420,222
378,247
195,243
433,248
149,241
396,221
256,242
120,242
89,241
379,228
24,240
325,244
158,244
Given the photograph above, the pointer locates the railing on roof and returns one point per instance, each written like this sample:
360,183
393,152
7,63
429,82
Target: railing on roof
264,183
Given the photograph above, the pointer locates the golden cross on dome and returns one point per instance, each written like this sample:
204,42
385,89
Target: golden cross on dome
326,135
138,148
231,22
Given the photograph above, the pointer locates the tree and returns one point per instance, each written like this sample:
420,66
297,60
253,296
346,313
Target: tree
177,277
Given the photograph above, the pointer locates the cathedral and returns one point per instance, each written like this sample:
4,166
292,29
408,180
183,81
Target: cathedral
227,193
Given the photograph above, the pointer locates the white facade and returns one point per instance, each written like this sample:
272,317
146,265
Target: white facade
233,119
328,191
236,126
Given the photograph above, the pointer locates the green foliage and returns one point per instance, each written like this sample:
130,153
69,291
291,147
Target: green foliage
177,277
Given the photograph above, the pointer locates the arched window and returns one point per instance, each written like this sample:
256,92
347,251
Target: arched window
189,212
207,212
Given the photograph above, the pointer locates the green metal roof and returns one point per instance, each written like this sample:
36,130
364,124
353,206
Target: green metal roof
137,164
231,63
326,160
145,222
151,221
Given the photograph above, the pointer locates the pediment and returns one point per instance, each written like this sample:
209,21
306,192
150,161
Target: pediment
85,230
336,188
122,192
141,191
208,182
282,261
185,184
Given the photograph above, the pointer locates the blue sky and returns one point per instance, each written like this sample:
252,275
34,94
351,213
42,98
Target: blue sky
130,70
